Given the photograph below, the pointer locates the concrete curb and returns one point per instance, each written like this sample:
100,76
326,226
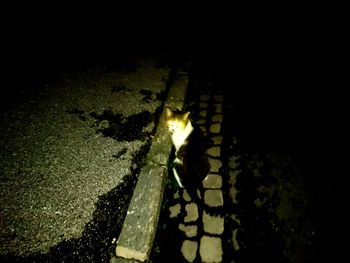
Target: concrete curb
137,235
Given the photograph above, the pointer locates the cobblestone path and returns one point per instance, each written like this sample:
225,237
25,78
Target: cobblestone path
253,204
202,224
198,225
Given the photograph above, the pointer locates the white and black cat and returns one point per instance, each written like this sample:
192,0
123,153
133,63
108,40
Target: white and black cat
191,165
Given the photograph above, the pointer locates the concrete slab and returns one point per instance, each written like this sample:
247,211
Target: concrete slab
135,240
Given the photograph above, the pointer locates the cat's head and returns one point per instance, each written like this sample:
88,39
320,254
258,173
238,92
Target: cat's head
176,121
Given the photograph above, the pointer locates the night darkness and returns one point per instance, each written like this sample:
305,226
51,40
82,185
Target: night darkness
285,79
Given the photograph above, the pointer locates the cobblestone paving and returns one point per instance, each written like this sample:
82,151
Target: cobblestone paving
201,223
207,246
252,205
272,192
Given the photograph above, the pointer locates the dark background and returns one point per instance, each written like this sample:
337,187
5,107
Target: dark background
284,72
284,69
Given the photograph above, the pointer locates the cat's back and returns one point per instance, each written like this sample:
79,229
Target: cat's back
197,139
195,159
196,146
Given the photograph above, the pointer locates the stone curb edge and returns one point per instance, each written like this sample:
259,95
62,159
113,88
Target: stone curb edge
139,228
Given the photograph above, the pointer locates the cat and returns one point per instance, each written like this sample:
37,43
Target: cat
190,165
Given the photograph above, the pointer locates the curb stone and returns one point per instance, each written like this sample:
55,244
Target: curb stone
137,235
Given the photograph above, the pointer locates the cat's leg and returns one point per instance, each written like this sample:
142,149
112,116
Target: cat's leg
177,177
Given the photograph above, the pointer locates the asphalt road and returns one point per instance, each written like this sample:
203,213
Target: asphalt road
70,154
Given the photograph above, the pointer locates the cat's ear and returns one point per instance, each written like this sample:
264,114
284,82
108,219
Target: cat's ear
168,113
185,116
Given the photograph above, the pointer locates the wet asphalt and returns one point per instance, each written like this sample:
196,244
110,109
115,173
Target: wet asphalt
71,151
